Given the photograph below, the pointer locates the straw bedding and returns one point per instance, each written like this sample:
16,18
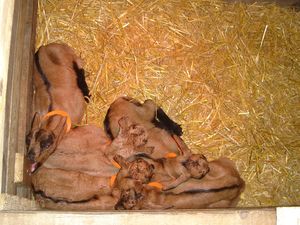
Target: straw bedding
229,73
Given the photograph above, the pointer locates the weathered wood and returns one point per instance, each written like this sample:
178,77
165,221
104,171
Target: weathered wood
12,202
18,97
11,122
6,18
26,92
207,217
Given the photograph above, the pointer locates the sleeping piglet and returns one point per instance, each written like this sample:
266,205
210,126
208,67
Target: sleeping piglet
59,94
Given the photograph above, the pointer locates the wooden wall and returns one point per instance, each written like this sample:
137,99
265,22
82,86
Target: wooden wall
6,18
187,217
18,95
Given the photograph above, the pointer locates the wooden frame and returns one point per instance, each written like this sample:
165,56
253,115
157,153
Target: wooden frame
18,97
190,217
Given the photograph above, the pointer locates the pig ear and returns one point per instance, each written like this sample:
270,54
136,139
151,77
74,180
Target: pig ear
36,121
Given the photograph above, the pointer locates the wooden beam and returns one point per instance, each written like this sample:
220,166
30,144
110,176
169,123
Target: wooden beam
197,217
18,96
6,18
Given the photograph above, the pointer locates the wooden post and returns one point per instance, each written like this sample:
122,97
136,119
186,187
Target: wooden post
19,92
6,16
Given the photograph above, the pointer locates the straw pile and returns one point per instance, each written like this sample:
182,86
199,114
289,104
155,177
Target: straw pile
229,73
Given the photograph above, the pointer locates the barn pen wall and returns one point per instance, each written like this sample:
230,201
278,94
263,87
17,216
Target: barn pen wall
18,92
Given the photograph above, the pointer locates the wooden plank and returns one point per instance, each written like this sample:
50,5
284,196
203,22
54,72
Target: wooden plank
19,91
6,18
205,217
26,91
11,122
13,202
